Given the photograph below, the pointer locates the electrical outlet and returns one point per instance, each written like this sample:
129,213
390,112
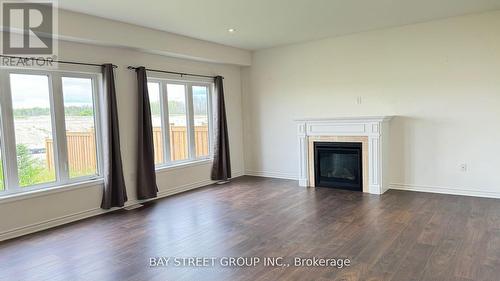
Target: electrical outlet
359,100
463,167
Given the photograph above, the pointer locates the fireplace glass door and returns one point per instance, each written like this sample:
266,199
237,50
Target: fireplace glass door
338,165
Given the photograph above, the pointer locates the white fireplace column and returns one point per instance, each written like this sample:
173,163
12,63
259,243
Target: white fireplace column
377,129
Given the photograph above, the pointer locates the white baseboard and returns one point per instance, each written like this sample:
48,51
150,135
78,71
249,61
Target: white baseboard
445,190
303,182
398,186
24,230
266,174
238,174
20,231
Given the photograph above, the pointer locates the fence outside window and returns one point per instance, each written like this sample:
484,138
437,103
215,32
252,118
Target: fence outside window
81,146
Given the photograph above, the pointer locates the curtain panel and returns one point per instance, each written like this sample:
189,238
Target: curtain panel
221,168
146,175
115,192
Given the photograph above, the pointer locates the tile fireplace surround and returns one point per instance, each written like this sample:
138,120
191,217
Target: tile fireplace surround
372,132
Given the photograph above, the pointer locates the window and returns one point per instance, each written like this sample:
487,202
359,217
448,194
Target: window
2,184
182,109
33,127
80,126
48,129
177,121
200,109
155,104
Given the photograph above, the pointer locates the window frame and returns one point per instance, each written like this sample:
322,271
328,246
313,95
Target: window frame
165,124
58,122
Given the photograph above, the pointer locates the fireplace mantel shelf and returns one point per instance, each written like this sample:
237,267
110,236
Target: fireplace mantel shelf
376,128
347,118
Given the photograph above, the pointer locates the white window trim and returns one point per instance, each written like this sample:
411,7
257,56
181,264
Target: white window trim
10,197
183,165
192,159
7,138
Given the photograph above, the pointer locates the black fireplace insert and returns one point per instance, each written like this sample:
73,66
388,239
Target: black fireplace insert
338,165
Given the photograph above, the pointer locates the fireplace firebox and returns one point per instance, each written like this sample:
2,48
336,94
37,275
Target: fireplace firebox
338,165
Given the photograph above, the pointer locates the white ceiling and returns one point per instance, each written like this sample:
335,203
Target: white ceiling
267,23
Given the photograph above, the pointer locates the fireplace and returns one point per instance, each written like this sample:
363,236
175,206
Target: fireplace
374,134
338,165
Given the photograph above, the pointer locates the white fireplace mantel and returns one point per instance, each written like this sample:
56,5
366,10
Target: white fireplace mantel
376,128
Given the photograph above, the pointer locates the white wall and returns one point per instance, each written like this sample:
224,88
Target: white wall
27,215
99,31
441,78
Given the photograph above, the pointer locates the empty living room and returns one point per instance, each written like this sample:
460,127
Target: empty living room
250,140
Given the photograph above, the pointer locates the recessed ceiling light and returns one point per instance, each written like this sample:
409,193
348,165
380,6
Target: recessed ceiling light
231,30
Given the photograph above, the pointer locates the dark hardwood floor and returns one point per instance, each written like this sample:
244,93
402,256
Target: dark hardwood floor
397,236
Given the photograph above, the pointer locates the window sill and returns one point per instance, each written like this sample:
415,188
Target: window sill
10,197
183,165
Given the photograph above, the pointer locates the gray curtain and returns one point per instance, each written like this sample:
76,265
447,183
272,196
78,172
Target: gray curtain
221,168
146,176
115,193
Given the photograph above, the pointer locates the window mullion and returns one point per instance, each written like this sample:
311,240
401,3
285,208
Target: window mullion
210,113
8,136
190,121
59,125
98,120
165,122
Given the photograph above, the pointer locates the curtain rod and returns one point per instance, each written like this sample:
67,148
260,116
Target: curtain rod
173,72
58,61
